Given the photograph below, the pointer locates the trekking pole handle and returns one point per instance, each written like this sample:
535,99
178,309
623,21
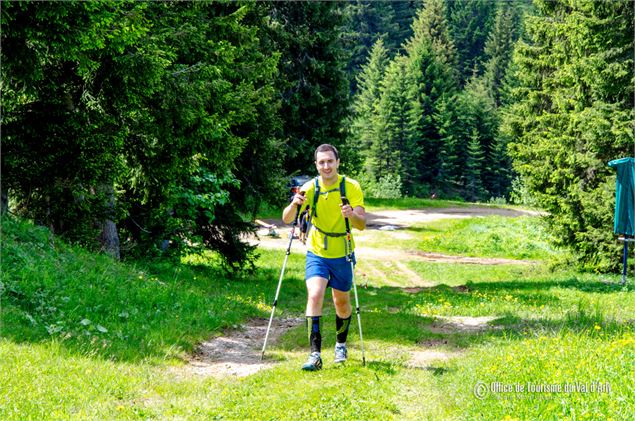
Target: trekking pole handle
297,213
344,203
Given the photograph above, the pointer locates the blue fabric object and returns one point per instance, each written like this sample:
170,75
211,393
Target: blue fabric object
624,220
337,271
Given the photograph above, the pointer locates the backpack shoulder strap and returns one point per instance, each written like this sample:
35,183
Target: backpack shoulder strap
316,195
343,186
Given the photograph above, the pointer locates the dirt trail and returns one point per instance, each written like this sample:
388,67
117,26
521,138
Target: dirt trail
237,351
405,218
399,219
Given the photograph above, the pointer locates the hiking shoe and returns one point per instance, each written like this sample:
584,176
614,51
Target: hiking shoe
340,353
314,363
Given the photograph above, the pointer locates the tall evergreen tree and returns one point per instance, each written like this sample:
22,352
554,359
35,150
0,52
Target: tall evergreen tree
140,120
404,11
573,113
499,48
470,22
368,21
468,113
472,173
313,84
366,102
396,150
431,65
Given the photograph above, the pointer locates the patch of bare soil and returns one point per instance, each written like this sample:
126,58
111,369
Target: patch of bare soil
404,218
237,352
413,290
393,255
396,219
438,257
426,357
462,324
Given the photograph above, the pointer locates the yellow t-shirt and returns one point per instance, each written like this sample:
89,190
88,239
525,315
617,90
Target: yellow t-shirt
329,216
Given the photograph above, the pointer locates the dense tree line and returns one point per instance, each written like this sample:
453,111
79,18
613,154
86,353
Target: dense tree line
427,118
154,128
150,128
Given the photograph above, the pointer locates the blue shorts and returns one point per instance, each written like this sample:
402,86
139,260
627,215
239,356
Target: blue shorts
337,271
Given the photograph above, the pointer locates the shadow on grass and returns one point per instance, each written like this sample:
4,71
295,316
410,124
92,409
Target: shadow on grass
174,307
571,283
161,314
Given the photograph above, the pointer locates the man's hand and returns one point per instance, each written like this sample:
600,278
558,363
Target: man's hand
298,199
289,213
357,216
347,211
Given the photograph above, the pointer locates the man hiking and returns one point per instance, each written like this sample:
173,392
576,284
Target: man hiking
328,248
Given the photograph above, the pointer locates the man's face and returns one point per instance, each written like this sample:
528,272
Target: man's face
326,165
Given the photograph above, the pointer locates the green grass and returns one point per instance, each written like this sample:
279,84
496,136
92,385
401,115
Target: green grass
269,211
82,337
373,204
520,238
407,203
492,236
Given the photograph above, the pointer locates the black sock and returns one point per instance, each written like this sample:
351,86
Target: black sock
313,329
341,325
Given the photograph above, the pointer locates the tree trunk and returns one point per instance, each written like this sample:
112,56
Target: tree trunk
109,237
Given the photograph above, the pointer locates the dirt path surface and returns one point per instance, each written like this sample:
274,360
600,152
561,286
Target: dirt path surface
462,324
391,220
394,255
405,218
237,352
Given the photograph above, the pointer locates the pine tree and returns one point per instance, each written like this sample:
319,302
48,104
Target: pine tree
366,102
497,168
396,151
312,81
431,58
404,12
368,21
472,175
574,113
470,22
499,48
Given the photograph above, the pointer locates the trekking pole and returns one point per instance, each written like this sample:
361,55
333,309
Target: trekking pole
349,257
286,257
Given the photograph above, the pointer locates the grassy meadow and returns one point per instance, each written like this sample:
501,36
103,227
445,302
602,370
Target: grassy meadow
82,337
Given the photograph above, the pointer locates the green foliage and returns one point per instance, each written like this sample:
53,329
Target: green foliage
395,151
363,133
473,158
474,162
431,56
412,120
470,23
149,116
386,187
312,83
499,48
573,113
520,194
62,145
367,23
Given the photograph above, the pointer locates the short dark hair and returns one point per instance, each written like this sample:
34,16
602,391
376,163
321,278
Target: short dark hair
326,148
